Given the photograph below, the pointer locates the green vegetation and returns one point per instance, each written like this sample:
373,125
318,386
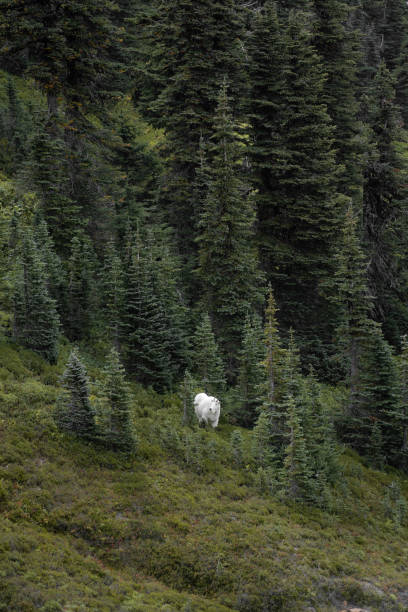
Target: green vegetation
203,196
86,528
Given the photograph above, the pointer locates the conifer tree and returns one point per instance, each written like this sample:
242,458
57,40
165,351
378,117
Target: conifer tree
192,46
273,350
226,240
147,340
337,45
262,440
353,299
82,290
47,171
296,462
384,196
299,207
251,374
188,386
378,399
36,321
119,433
74,413
401,416
237,447
113,292
208,368
72,51
54,271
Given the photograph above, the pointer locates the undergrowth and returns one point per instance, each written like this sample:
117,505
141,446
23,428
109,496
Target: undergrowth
182,524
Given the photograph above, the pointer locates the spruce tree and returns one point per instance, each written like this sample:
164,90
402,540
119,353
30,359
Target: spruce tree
55,273
72,51
401,416
251,374
226,240
74,413
82,289
385,195
353,300
192,45
116,391
113,293
36,321
378,401
207,364
299,208
146,334
47,171
337,45
296,463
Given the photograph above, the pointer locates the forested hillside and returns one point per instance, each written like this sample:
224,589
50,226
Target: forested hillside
204,196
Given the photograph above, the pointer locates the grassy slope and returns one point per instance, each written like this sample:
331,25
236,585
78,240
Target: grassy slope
84,529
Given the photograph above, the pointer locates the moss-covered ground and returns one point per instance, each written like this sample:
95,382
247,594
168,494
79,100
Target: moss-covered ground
177,526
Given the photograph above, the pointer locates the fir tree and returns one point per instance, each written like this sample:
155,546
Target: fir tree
337,46
147,340
74,413
82,290
119,433
384,196
54,271
299,208
113,292
237,447
207,364
226,241
36,321
262,440
192,46
47,171
401,415
378,399
251,373
188,386
296,464
352,298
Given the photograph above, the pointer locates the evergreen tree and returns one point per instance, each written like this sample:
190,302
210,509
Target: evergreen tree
251,373
192,46
147,340
299,208
54,271
47,171
377,405
337,46
262,440
74,412
208,368
401,416
237,447
82,290
72,51
36,321
296,463
226,247
385,196
119,433
320,439
353,299
113,293
273,350
188,386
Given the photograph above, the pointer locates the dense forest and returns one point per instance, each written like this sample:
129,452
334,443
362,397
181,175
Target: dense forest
212,195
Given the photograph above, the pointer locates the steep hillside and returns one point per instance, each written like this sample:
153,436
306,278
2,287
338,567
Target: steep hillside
177,526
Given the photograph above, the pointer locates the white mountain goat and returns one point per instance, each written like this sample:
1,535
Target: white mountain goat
207,409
